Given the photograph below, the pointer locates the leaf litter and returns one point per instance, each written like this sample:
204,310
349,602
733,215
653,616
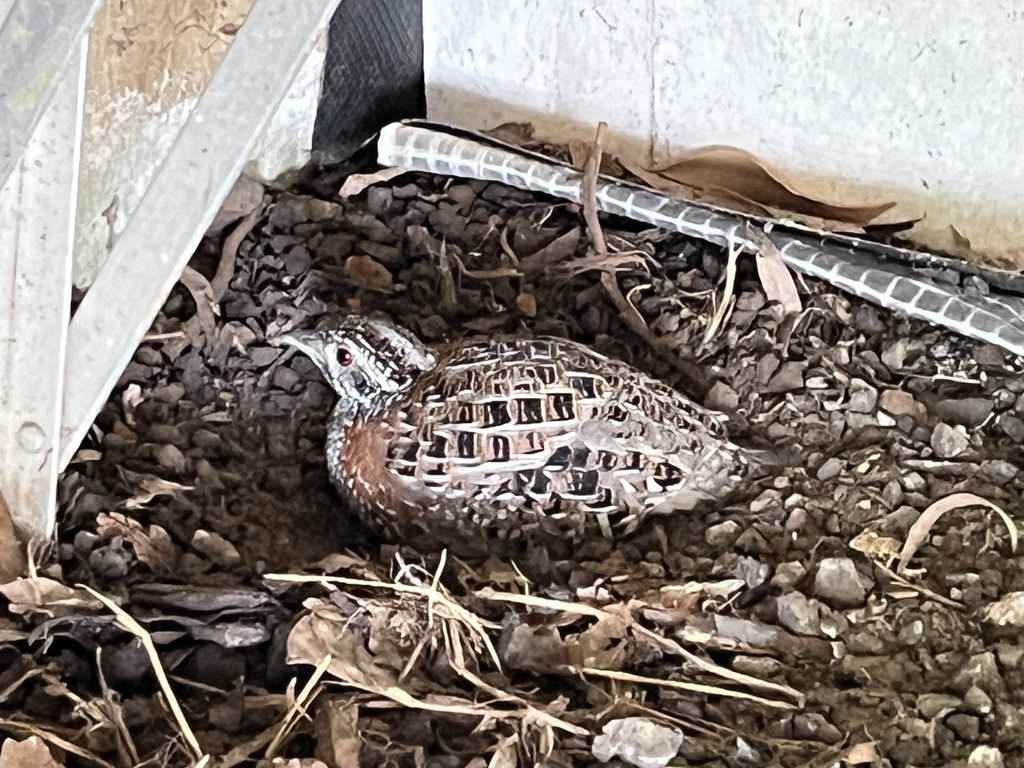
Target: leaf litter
230,612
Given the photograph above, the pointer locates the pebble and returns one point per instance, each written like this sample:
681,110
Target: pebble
932,705
999,471
966,727
215,547
171,457
723,535
789,378
985,757
913,482
814,727
969,411
895,355
722,397
830,469
838,583
798,614
897,402
863,397
1013,427
948,442
787,575
977,702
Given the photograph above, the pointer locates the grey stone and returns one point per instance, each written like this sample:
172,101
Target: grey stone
723,535
948,442
830,469
863,397
969,411
722,397
838,583
798,614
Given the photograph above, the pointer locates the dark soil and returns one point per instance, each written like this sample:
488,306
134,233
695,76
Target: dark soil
205,473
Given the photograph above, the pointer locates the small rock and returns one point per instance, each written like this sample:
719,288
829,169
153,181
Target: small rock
798,614
966,727
989,354
999,471
947,441
1007,611
911,633
1013,427
977,702
914,482
813,726
863,397
867,319
788,574
768,499
897,402
1009,655
367,273
286,379
723,536
722,397
932,705
171,457
830,469
838,583
892,494
789,377
969,411
462,195
109,562
215,547
379,199
985,757
895,355
639,741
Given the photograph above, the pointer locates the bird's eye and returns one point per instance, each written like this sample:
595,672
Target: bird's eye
345,358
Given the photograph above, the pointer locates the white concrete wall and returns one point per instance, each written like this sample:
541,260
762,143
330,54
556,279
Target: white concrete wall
860,101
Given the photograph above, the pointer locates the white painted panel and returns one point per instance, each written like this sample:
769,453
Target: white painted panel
562,65
37,213
858,101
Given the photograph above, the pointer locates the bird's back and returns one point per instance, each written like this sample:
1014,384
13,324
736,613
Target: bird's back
514,434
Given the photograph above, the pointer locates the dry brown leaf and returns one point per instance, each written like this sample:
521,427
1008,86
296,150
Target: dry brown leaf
152,546
12,558
337,728
527,304
357,182
923,525
46,596
30,753
776,279
720,169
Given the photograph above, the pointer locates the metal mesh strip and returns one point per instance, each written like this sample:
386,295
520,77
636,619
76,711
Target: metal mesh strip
898,288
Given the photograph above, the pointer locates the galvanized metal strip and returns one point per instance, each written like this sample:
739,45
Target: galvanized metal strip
182,200
37,40
896,287
37,219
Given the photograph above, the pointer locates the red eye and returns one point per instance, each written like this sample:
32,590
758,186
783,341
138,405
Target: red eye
344,357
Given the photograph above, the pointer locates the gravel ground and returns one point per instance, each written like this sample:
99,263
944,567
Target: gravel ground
778,631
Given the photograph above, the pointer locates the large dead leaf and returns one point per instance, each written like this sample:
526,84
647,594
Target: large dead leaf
12,558
732,172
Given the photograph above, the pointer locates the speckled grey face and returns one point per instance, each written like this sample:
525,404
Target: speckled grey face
368,361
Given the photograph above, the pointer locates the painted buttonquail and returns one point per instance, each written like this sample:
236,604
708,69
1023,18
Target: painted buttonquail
505,437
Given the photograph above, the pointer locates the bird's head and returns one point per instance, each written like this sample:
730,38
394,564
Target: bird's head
369,361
